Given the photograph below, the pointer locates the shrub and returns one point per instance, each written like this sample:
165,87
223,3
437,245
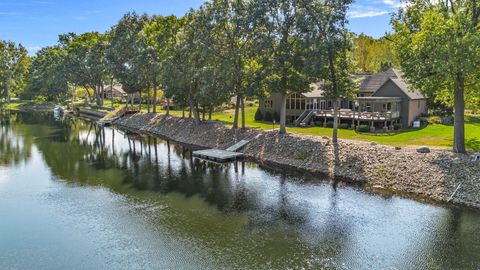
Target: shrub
435,120
364,128
251,103
397,126
343,126
258,115
268,116
40,99
330,124
276,116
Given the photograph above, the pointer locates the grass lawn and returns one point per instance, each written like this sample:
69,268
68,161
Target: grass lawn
436,135
433,135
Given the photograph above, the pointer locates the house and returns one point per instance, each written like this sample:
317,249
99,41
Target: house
384,99
117,91
167,104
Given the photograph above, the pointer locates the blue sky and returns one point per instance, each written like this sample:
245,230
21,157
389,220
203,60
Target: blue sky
37,23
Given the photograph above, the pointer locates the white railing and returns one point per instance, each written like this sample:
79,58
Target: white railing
360,115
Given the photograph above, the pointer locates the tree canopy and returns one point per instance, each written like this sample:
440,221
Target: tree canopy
437,43
14,63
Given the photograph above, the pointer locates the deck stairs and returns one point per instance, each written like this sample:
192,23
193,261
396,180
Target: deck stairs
304,118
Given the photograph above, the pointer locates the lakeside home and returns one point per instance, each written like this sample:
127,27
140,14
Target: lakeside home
115,90
384,99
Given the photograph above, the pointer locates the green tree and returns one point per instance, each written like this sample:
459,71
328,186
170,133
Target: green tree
14,63
232,51
161,35
329,59
86,63
437,43
374,55
125,54
47,74
279,41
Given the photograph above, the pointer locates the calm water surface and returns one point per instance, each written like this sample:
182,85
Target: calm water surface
77,196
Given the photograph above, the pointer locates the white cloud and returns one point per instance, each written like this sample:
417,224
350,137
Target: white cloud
354,14
392,3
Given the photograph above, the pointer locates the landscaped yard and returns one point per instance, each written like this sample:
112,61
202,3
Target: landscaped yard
433,135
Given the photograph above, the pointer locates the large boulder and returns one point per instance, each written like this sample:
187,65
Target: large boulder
423,150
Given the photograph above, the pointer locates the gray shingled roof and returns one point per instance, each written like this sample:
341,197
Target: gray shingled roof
317,91
412,94
371,84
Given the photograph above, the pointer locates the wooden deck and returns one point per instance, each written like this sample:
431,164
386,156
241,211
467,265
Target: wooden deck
217,155
222,156
361,116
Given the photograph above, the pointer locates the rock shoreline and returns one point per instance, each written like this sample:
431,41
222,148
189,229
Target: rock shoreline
435,175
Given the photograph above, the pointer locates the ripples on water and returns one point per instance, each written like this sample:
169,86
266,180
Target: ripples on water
74,195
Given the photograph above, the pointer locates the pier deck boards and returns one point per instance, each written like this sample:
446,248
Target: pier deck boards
217,155
237,146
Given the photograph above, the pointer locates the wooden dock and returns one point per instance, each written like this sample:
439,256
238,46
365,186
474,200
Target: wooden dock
217,155
229,154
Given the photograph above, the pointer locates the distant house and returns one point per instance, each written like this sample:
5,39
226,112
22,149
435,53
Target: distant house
384,99
116,90
168,104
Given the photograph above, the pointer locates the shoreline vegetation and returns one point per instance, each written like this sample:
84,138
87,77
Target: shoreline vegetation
433,176
434,134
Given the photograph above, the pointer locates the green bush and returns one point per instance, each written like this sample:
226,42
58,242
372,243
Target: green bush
268,116
258,115
40,99
330,124
344,126
435,120
397,126
364,128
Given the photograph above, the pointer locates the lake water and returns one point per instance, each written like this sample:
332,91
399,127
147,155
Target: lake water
77,196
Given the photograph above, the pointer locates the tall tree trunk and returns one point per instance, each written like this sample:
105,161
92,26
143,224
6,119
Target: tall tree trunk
112,97
195,112
140,100
183,112
98,98
243,112
459,125
210,111
235,117
203,112
333,74
335,121
168,106
148,100
89,97
102,93
283,114
155,97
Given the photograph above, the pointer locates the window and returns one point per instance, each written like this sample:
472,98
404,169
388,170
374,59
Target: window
296,102
389,106
268,104
419,104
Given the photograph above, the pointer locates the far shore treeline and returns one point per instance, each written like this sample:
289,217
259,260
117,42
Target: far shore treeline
249,49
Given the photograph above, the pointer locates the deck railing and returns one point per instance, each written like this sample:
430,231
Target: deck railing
349,114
